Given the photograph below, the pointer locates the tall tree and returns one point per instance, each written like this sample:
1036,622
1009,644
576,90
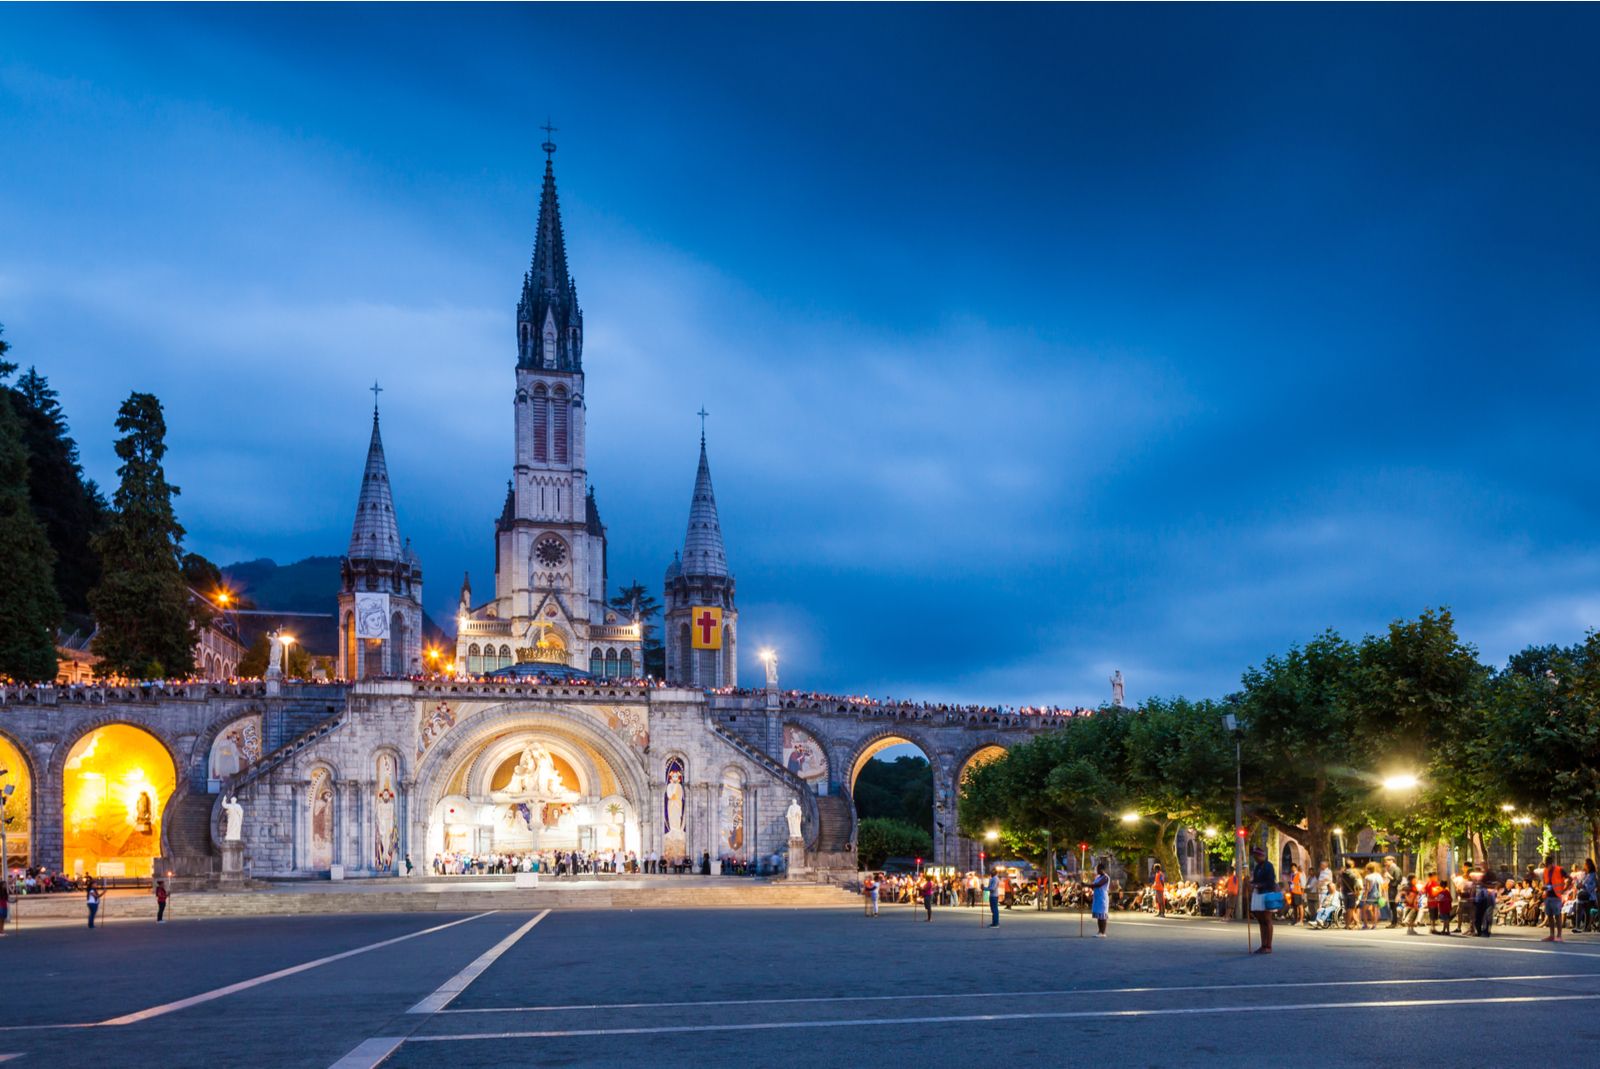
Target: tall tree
635,598
1543,750
142,605
1300,735
1069,783
1418,691
30,611
1180,766
69,505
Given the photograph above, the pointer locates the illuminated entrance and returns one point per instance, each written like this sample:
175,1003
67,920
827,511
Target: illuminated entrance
114,784
16,809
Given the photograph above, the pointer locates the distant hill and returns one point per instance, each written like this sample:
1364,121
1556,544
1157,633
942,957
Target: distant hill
310,585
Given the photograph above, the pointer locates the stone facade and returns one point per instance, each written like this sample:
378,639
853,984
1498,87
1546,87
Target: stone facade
361,776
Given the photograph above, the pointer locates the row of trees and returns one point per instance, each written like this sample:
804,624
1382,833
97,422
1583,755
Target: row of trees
1321,728
70,557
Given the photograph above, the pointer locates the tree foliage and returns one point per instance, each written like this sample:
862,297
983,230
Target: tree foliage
1320,729
880,838
30,609
142,606
900,790
70,506
1067,783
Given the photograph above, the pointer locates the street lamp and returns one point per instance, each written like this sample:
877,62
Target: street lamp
1400,783
287,640
1130,818
1231,725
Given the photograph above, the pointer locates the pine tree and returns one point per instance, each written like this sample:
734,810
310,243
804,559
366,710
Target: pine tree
69,505
142,604
29,608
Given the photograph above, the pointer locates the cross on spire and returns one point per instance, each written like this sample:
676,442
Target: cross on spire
548,146
376,390
702,414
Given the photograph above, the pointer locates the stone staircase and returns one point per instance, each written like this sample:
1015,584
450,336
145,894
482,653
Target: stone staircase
69,907
189,825
834,823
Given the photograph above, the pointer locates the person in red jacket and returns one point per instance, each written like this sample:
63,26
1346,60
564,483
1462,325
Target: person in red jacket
1555,884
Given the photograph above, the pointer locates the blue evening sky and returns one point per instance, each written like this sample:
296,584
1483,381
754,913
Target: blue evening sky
1038,341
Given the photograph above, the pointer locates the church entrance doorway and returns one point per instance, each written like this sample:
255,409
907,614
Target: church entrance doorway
534,794
115,782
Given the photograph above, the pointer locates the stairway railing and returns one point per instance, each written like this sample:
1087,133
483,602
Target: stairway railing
802,789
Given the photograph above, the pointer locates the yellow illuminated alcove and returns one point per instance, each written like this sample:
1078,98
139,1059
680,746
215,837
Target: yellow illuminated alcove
502,775
18,807
114,784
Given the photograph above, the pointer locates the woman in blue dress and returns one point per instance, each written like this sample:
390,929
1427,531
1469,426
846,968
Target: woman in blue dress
1101,906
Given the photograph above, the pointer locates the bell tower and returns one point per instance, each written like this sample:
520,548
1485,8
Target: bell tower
549,602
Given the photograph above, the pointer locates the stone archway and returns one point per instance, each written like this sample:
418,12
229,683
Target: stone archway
465,763
16,809
116,780
967,853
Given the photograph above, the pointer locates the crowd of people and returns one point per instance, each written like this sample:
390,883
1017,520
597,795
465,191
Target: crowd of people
1003,715
1353,895
584,863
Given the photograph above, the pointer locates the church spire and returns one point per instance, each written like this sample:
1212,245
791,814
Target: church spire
549,321
702,543
375,535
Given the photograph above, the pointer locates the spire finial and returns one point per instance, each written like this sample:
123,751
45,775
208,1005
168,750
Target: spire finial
376,390
702,414
548,146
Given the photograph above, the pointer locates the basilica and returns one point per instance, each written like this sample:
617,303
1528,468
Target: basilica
538,732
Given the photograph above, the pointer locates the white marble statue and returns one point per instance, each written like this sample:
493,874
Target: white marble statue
772,670
1116,688
536,778
275,657
793,814
235,812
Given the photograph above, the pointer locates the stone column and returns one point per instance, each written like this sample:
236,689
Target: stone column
295,836
357,825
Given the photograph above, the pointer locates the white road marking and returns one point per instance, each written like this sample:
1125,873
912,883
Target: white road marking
978,1017
1026,994
369,1053
243,985
458,983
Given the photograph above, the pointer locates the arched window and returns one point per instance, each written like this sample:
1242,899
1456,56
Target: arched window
558,425
397,646
611,663
597,663
685,653
541,420
474,659
505,657
625,664
350,646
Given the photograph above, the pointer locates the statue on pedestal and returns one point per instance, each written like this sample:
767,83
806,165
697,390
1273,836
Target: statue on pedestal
275,656
1116,688
235,814
794,814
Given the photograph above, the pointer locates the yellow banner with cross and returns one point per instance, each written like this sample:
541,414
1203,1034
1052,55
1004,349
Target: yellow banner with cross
705,628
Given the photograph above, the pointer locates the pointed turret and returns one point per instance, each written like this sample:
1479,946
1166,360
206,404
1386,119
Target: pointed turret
549,321
375,535
702,543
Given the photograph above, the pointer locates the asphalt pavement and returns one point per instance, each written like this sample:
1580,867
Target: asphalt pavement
801,987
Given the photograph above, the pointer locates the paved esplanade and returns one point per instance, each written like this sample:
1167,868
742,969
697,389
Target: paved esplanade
810,987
